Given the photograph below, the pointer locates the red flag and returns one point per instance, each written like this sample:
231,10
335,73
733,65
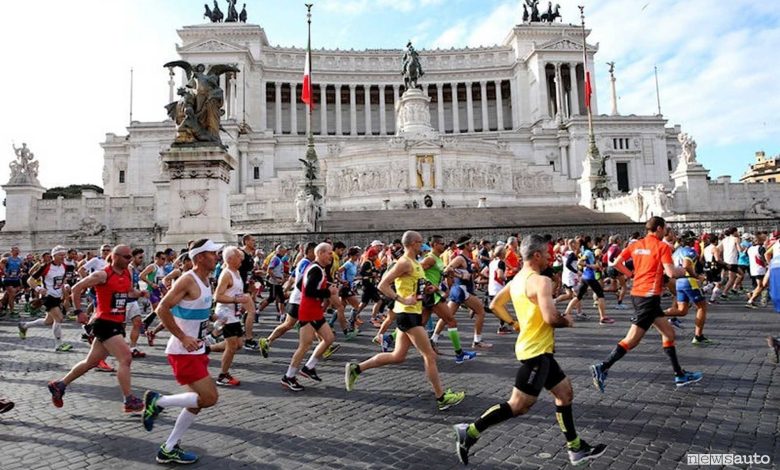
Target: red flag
306,93
588,90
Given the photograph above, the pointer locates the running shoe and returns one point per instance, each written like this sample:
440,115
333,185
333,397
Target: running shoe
377,340
310,374
251,345
450,399
599,376
138,354
585,453
176,455
133,404
262,343
581,316
331,350
687,378
677,323
292,383
751,305
103,366
463,442
64,347
621,307
6,405
435,346
606,321
22,330
350,376
465,356
57,390
351,334
774,345
481,345
388,342
150,337
151,410
702,341
504,330
227,380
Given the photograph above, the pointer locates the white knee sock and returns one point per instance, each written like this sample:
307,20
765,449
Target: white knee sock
184,400
38,322
312,363
291,371
183,422
56,329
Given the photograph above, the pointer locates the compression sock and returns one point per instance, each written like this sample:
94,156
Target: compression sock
671,351
617,354
494,415
455,338
565,419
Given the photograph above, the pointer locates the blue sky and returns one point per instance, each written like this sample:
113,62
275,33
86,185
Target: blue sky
716,61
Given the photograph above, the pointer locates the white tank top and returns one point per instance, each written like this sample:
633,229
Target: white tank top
495,285
730,250
237,288
53,280
191,316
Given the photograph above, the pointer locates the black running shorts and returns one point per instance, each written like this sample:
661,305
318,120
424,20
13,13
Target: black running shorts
292,310
317,324
595,287
346,292
50,302
646,310
370,294
232,330
407,321
105,329
276,293
12,283
537,373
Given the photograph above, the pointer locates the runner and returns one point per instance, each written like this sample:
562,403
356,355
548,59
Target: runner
113,287
531,296
184,311
11,267
652,258
409,279
52,275
758,269
311,316
590,265
134,310
688,287
153,276
497,281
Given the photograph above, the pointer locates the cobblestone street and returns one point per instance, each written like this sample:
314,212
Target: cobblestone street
390,420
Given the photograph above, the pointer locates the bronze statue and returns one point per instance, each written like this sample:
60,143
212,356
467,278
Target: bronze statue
198,111
552,13
534,6
525,13
242,15
208,13
412,70
216,14
603,165
232,16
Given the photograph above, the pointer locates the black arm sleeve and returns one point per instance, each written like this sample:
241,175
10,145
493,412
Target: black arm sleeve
571,263
313,279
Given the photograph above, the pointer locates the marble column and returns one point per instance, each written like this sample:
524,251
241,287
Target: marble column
575,90
367,109
455,111
352,111
515,91
263,105
499,106
469,107
483,100
323,109
559,92
293,108
338,109
544,100
278,106
382,111
396,91
440,102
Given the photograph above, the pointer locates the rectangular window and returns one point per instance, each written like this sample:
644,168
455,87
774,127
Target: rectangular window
622,176
121,176
257,172
669,164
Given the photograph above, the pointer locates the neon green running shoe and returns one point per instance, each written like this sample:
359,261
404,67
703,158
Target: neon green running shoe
350,376
450,399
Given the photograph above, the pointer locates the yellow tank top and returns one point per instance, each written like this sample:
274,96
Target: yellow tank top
413,283
536,337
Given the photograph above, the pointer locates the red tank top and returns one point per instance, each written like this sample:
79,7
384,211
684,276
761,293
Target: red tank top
112,296
310,308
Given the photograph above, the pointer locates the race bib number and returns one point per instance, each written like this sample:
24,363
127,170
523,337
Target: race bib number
58,281
119,303
202,328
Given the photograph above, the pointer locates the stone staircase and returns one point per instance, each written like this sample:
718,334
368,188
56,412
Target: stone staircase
450,218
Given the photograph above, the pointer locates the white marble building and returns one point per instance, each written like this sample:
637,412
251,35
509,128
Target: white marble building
507,129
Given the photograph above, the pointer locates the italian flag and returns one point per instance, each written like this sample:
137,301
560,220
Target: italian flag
306,94
588,89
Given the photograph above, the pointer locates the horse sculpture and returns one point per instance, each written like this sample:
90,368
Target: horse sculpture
552,13
216,14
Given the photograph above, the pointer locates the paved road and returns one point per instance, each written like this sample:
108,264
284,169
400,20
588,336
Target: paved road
390,421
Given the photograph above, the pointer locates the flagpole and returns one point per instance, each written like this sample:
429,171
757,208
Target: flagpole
593,151
311,168
311,87
657,90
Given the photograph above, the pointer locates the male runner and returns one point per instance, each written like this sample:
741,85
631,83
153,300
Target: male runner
53,277
185,311
688,287
409,279
652,258
113,287
11,267
531,296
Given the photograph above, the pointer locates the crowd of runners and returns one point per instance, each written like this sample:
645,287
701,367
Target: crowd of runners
206,299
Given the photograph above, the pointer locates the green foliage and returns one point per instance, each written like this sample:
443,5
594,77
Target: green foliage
70,192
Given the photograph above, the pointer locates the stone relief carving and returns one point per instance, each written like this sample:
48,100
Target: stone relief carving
348,181
193,203
88,227
24,170
658,202
527,181
289,187
760,208
470,176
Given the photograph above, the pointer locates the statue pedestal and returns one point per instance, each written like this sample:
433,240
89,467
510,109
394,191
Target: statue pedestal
199,188
21,206
413,116
691,179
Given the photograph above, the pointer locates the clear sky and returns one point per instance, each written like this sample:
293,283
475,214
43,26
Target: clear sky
67,64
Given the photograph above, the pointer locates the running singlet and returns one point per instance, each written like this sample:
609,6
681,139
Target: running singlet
295,295
649,255
192,317
757,260
496,283
312,295
408,285
435,273
536,337
53,278
112,296
588,274
350,272
229,311
13,268
730,250
95,264
682,254
467,283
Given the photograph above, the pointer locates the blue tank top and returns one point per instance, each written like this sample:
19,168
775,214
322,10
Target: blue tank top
13,267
